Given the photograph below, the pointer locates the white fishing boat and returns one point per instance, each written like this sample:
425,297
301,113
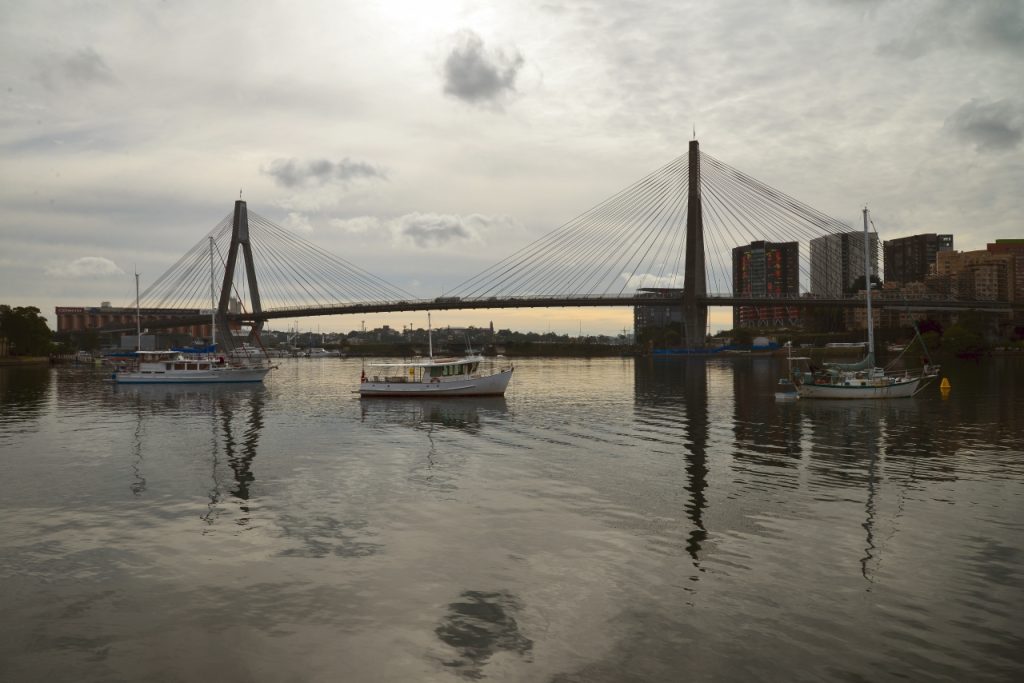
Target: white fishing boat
245,363
174,367
434,377
861,380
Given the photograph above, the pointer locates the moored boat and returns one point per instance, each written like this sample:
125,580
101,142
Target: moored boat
439,377
174,367
435,377
862,379
243,363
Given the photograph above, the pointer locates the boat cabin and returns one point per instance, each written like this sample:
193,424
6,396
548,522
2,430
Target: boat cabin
162,362
429,371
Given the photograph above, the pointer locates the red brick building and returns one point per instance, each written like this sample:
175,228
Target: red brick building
79,318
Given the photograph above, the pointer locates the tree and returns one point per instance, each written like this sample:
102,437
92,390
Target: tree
929,325
963,341
742,336
26,331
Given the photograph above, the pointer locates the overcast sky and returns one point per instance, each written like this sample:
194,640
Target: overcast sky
426,140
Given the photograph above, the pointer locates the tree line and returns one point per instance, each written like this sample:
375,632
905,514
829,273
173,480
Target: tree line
26,331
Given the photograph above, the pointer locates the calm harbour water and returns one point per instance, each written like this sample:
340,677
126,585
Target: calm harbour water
608,520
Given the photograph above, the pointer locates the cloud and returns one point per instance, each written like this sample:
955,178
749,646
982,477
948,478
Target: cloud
424,230
994,25
362,225
427,230
297,222
85,267
477,75
989,126
295,173
85,67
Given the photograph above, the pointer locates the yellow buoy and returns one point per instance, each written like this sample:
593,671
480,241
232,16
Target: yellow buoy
945,384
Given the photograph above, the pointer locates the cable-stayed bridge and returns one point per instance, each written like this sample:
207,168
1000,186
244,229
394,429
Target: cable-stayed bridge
673,230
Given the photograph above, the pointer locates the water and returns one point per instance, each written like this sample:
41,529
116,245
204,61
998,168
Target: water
609,520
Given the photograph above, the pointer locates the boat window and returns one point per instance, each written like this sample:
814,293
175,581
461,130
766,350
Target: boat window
204,366
170,366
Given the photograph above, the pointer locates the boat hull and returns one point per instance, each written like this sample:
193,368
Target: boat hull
489,385
216,376
900,389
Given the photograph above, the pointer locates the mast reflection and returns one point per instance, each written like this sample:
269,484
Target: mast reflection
229,441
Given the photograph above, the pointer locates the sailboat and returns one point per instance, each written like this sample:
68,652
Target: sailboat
435,377
177,367
861,380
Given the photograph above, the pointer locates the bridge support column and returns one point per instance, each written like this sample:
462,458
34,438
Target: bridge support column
239,240
695,315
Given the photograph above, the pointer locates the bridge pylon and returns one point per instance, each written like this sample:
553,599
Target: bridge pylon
695,315
239,240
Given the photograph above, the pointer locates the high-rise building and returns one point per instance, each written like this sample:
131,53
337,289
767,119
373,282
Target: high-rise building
768,269
980,275
911,259
647,318
838,260
1016,248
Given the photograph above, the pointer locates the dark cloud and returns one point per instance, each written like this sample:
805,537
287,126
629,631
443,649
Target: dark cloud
994,25
989,126
477,75
431,230
294,173
85,67
999,24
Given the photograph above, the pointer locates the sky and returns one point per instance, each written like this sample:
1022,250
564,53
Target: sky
425,141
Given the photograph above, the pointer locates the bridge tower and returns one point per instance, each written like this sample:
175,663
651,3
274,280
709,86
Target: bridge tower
695,316
239,239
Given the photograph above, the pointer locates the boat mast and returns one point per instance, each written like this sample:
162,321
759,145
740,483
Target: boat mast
213,300
867,288
138,322
430,339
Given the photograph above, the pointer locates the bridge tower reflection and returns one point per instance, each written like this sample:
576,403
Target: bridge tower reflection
670,385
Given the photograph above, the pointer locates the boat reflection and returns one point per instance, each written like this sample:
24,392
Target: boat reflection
463,414
192,398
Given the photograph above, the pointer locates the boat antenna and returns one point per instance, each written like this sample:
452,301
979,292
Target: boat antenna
430,338
213,302
867,289
138,322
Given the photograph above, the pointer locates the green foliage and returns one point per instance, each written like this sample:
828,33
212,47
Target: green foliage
929,325
26,331
931,339
742,336
964,341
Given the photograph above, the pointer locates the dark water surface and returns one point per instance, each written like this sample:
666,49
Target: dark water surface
609,520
